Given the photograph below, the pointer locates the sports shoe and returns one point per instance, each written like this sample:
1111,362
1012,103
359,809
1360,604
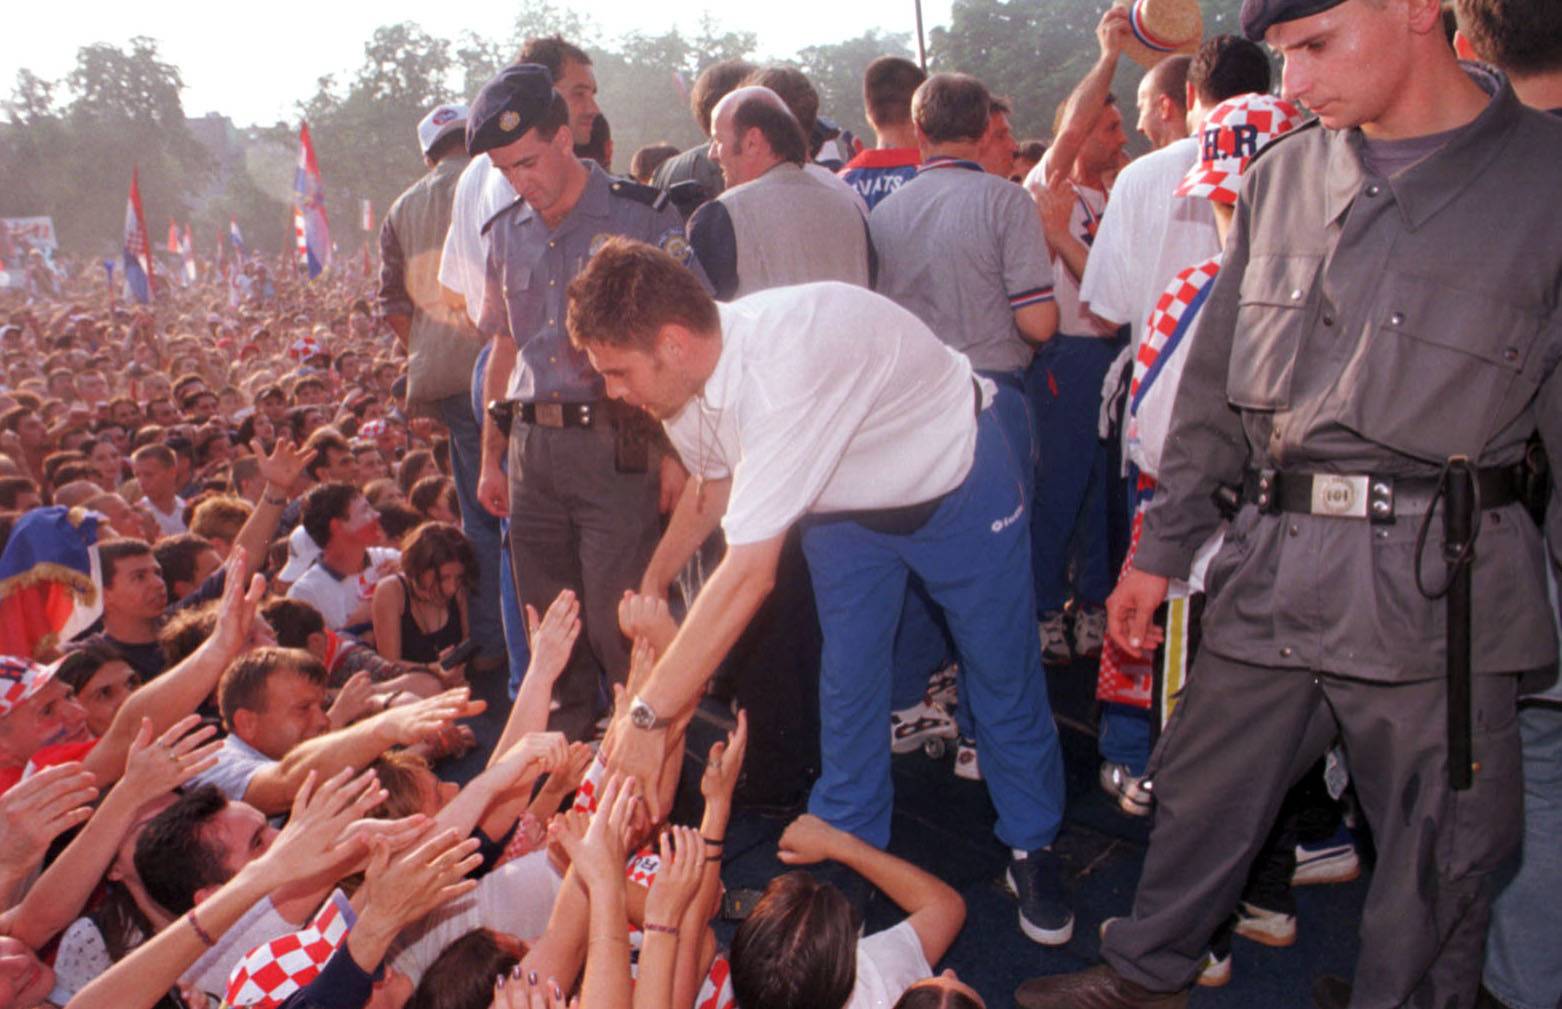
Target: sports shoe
1089,631
1098,987
1330,861
943,686
965,760
1037,881
1270,928
1055,649
1132,793
911,727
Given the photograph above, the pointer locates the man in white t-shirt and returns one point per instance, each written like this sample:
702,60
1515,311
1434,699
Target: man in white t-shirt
156,469
833,407
340,583
796,949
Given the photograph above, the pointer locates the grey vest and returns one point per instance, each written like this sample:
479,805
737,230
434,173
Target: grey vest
794,228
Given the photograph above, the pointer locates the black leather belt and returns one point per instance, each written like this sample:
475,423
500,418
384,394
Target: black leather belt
545,414
1378,499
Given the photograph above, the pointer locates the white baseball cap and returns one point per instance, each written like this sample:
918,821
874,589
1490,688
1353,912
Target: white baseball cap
301,552
445,119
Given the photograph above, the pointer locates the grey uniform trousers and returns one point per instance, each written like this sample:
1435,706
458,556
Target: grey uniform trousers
577,523
1242,736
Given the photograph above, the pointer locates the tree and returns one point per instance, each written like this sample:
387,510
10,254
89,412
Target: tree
836,71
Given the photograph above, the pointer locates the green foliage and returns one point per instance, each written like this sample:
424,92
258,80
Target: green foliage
836,71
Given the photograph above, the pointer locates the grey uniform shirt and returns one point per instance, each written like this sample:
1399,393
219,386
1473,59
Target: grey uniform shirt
1364,324
962,250
530,266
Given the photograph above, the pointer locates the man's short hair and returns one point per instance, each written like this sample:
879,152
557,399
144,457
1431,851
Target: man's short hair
952,107
776,125
293,621
177,555
172,858
793,87
268,392
112,552
12,418
323,442
242,470
243,683
1522,37
1226,66
322,504
552,52
629,291
887,87
221,516
461,976
713,84
186,630
798,948
648,159
1169,77
159,453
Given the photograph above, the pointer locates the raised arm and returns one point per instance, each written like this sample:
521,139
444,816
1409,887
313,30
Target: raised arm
1088,97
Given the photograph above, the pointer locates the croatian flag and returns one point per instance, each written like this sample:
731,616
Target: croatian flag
137,249
310,225
49,580
236,238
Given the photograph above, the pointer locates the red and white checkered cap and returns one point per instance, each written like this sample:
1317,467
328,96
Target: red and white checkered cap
20,679
372,429
303,348
1232,134
273,971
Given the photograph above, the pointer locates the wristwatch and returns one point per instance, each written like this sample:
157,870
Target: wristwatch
643,716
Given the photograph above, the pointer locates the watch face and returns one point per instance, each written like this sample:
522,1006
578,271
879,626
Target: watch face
641,715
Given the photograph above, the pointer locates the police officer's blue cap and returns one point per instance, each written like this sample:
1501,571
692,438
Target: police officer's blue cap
1259,15
508,106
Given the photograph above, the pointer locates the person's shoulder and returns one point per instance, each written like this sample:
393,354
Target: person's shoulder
649,196
1308,140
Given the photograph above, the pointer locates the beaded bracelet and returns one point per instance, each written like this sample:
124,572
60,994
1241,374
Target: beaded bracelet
199,931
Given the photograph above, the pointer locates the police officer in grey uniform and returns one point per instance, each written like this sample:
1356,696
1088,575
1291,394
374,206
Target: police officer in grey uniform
1388,300
583,481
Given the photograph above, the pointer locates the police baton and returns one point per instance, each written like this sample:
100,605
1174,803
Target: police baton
1460,509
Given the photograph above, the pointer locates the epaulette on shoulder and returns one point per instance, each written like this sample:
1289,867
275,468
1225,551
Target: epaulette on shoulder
652,197
1312,124
502,211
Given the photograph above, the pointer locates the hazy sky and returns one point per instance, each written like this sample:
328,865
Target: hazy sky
254,61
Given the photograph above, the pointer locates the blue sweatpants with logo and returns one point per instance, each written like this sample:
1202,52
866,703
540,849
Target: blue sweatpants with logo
973,557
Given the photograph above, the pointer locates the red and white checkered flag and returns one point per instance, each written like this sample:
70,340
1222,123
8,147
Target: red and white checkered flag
273,971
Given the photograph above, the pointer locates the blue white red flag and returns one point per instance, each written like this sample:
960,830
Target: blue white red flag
137,249
312,229
49,580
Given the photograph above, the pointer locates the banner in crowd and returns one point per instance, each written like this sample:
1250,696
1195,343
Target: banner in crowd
310,226
24,232
137,249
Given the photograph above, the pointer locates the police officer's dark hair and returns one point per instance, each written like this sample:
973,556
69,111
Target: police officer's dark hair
776,125
714,83
1522,37
556,116
887,87
552,52
793,87
648,159
172,858
1226,66
324,503
628,291
243,683
798,948
951,107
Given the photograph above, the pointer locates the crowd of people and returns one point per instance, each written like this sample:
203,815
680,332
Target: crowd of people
849,443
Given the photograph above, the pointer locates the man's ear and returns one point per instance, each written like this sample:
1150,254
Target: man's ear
315,644
245,722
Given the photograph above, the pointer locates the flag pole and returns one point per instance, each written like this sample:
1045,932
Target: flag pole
921,46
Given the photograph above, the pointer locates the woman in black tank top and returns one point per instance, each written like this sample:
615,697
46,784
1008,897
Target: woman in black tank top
423,612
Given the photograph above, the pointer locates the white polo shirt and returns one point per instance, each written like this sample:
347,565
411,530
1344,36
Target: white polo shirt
827,398
481,192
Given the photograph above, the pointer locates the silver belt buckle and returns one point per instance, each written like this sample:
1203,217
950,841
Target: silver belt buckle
1339,496
548,414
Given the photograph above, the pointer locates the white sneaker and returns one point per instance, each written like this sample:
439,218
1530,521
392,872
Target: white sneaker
1215,971
1331,861
911,728
1132,794
1089,631
965,760
1270,928
1055,649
